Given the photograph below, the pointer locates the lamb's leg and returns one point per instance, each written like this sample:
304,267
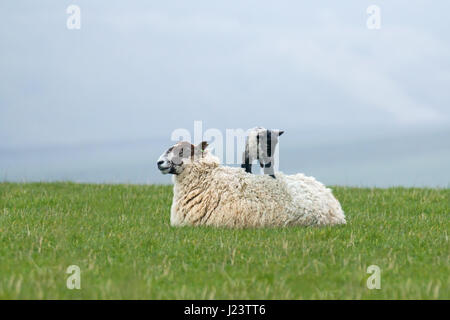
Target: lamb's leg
268,169
247,165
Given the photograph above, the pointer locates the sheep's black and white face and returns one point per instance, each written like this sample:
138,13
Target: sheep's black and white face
175,159
266,141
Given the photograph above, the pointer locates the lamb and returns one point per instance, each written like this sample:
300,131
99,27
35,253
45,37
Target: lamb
206,193
260,145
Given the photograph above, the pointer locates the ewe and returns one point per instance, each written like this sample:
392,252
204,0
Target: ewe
206,193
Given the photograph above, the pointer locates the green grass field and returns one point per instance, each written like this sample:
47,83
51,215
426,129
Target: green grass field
120,237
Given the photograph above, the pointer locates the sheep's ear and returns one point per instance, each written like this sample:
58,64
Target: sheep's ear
199,149
192,148
202,145
280,132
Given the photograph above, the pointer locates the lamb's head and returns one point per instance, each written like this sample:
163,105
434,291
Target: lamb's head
262,142
177,157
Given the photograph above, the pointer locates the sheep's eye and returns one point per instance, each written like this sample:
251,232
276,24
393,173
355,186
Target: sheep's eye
181,153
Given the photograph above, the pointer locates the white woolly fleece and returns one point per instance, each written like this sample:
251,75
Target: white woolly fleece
206,193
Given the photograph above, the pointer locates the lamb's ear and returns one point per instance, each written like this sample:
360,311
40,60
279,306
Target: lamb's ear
280,132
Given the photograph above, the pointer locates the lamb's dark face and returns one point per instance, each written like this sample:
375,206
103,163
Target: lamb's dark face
267,141
175,159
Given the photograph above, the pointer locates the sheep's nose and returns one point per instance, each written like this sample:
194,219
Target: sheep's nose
159,163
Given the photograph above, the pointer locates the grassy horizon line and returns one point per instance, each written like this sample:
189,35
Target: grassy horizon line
120,237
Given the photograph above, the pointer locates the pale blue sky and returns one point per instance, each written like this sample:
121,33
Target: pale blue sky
359,106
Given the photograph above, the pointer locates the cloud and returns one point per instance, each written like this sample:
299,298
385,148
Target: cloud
287,65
